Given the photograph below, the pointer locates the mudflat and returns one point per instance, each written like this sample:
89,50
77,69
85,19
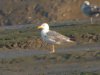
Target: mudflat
76,60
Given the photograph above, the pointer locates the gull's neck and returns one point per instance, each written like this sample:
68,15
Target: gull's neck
46,30
84,6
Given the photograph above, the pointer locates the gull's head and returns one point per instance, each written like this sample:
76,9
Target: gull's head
44,26
87,2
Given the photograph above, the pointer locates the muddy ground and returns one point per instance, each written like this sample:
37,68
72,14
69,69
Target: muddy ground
19,57
76,60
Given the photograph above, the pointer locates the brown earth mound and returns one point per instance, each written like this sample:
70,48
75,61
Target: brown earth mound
32,11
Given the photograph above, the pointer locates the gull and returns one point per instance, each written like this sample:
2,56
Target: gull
89,10
52,37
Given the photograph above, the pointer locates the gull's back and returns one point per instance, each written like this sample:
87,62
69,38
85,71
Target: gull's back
86,9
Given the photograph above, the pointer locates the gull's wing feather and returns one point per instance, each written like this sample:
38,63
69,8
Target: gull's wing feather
57,37
95,9
90,10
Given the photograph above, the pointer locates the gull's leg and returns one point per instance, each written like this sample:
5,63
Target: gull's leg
53,49
91,20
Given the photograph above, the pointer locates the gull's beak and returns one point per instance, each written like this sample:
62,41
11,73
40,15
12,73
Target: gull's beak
39,27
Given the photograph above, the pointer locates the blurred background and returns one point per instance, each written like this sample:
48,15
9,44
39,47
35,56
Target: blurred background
16,12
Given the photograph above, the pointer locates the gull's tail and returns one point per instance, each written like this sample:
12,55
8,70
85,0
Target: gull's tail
71,39
96,10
